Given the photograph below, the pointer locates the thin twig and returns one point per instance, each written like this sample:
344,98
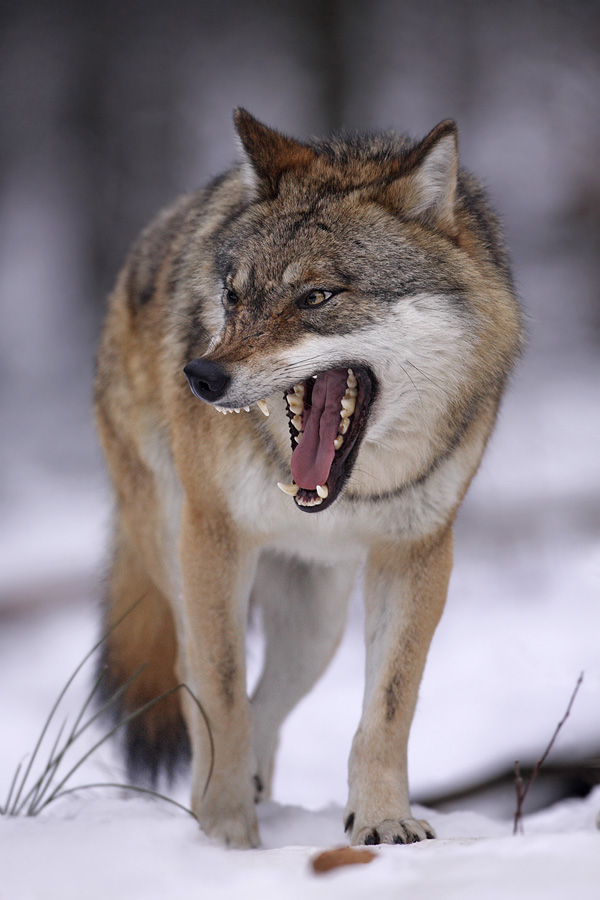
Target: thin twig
523,791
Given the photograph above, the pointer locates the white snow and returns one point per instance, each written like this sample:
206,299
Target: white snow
94,848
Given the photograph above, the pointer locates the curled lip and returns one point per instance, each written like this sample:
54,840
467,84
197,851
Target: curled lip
346,455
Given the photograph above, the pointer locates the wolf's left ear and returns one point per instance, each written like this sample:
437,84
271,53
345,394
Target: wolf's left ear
268,154
426,188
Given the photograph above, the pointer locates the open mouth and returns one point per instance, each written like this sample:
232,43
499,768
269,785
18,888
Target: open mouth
327,415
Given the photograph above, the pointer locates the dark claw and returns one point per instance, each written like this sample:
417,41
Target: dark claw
349,823
373,838
259,787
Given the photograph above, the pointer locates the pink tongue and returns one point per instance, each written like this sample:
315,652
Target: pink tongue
312,458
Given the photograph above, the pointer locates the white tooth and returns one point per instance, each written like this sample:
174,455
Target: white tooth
247,408
218,408
298,437
237,409
350,392
297,423
295,404
323,491
338,442
349,403
344,426
346,413
299,390
309,501
352,382
262,405
291,489
314,377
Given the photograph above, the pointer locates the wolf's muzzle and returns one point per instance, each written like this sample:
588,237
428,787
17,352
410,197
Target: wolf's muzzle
208,380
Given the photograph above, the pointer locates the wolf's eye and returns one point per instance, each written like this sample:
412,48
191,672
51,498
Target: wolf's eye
231,297
316,297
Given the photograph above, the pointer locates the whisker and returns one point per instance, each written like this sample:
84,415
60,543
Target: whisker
356,468
183,316
413,384
429,378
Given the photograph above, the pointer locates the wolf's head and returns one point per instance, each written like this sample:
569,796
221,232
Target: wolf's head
364,278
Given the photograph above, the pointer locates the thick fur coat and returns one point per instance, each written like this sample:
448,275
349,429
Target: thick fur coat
358,286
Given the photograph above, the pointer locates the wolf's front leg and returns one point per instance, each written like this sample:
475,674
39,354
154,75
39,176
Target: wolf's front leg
405,591
218,569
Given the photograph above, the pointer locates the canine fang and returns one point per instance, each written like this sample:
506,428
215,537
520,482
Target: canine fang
291,489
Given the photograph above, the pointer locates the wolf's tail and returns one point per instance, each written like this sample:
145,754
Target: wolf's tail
156,741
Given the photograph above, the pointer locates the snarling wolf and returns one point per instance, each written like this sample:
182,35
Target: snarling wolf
344,314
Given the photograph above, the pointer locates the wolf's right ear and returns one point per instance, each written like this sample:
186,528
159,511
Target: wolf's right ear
425,187
268,154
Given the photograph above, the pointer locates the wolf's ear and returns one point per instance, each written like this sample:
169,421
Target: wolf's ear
268,154
426,188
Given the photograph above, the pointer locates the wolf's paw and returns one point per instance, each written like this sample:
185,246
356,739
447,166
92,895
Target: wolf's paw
237,828
234,833
390,831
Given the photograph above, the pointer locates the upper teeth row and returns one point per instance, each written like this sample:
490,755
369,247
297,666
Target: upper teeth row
348,407
262,405
295,402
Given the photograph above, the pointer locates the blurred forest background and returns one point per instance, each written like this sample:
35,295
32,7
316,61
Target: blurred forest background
110,108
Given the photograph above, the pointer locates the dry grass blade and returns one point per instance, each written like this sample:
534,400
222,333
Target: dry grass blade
138,712
523,791
128,787
44,790
13,810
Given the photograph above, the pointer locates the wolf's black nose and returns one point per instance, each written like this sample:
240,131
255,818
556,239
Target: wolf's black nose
208,380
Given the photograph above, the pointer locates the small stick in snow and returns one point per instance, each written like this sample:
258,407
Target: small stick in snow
523,791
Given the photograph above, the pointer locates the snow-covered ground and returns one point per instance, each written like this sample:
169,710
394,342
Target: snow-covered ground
93,849
96,845
523,620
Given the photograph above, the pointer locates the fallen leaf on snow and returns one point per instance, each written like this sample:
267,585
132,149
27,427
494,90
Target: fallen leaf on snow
340,856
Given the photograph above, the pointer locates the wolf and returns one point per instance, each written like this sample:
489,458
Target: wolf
344,313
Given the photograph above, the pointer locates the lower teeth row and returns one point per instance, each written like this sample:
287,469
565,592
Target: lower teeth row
309,501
